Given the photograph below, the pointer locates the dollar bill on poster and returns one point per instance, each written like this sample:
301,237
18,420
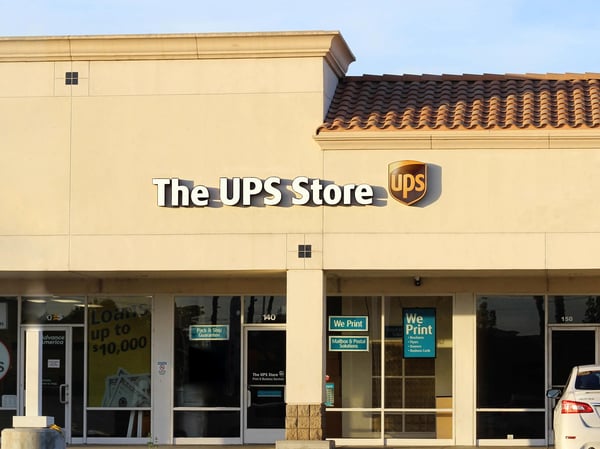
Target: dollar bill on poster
127,390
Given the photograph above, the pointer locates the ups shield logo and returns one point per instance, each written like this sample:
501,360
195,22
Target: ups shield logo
407,181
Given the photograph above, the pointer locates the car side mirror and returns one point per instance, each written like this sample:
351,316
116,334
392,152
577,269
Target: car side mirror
553,393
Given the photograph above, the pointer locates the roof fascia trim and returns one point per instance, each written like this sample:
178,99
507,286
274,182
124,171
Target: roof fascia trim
459,140
326,44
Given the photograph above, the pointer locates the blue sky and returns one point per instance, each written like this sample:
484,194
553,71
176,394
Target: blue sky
386,36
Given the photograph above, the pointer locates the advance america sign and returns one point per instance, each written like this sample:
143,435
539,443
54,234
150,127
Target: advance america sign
407,183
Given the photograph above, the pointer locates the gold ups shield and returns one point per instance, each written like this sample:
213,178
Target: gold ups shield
407,181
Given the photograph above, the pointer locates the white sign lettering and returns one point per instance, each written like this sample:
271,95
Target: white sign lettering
251,191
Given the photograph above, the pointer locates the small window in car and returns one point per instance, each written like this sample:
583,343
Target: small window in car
588,380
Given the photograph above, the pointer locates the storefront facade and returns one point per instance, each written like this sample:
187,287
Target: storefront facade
222,239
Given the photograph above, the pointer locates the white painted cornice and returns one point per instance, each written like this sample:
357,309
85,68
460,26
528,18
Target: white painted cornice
327,44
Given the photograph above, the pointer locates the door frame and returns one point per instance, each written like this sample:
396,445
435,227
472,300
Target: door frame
68,331
249,435
550,403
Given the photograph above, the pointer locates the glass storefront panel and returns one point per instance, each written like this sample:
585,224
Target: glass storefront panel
53,310
207,363
416,344
206,424
353,424
512,425
418,425
265,309
418,365
77,382
355,375
118,423
577,309
119,359
510,351
8,360
510,362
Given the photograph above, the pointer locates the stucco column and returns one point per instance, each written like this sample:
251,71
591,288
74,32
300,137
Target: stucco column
465,361
305,370
162,367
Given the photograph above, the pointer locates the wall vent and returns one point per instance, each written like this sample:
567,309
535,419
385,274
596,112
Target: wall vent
71,78
304,251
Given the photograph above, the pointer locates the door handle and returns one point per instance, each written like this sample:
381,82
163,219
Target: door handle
63,393
249,398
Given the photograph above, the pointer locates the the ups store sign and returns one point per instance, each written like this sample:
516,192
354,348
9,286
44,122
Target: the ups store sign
407,181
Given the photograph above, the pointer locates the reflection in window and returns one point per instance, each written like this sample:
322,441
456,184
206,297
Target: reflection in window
510,360
207,364
265,309
53,310
521,425
194,424
578,309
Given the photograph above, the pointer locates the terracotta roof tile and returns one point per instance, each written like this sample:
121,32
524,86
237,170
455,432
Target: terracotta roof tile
444,102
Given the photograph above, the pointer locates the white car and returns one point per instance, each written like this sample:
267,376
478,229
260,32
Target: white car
577,412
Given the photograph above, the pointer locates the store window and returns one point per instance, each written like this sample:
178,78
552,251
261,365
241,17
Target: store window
207,364
119,358
8,360
53,310
399,383
265,309
354,372
575,309
510,367
418,362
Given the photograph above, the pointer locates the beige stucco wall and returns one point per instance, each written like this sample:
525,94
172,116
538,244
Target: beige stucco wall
510,212
76,179
487,208
80,160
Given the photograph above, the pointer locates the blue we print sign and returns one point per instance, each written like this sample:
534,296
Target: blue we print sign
419,333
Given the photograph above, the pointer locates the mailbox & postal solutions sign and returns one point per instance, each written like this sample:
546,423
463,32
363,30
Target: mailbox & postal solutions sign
348,342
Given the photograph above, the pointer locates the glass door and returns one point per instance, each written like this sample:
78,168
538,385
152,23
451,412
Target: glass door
61,377
569,346
264,421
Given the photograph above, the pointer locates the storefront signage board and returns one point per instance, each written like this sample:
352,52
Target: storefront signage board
407,183
268,377
348,323
348,343
419,333
209,332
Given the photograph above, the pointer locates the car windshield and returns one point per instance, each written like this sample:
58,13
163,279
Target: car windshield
588,380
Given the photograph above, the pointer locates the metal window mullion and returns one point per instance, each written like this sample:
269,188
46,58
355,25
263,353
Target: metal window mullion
382,369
